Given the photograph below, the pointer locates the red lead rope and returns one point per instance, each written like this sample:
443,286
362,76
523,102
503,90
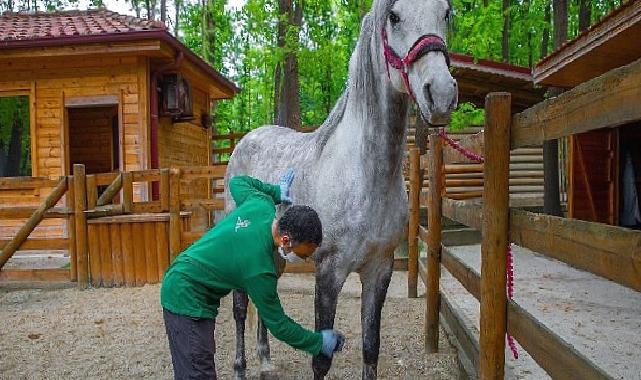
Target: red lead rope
510,258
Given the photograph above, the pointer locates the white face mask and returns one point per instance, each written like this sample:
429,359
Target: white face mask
290,257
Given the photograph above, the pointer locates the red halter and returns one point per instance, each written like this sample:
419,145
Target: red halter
424,45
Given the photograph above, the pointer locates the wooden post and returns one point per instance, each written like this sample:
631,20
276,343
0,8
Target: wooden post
35,219
71,229
412,235
495,236
164,190
80,205
175,227
434,213
127,192
92,192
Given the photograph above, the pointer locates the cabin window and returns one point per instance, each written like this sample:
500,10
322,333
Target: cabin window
15,141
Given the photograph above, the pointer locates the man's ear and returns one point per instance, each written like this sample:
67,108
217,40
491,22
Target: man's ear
284,238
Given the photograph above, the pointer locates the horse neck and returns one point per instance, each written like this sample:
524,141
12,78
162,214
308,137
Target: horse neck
374,123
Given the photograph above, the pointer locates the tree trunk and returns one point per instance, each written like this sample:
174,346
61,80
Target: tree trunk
3,160
177,20
209,32
148,8
163,10
505,48
551,195
546,31
278,74
14,154
136,6
291,16
585,14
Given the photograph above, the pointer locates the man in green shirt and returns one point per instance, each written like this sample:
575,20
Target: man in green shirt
237,254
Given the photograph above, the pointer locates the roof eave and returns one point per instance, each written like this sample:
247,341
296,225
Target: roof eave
161,35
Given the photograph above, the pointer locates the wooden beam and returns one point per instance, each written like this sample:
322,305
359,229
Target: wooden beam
22,212
144,47
493,324
414,209
111,191
127,192
607,251
80,222
468,213
465,274
195,172
175,225
467,343
44,244
557,357
435,214
33,221
606,101
32,275
25,183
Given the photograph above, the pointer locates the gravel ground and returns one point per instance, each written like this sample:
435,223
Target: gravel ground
119,334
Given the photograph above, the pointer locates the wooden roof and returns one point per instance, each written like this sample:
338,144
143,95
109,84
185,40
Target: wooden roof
613,42
20,31
477,78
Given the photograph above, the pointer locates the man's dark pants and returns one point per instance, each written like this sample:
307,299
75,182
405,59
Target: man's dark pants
192,346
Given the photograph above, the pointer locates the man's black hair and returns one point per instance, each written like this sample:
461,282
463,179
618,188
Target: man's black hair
302,224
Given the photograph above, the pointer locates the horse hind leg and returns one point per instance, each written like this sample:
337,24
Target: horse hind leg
328,285
375,282
240,315
267,369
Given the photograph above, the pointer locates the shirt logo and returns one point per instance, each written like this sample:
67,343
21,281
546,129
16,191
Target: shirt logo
242,224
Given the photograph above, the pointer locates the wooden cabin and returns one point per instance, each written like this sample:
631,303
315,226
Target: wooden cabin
112,92
605,164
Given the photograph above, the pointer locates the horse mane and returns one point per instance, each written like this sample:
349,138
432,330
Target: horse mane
361,81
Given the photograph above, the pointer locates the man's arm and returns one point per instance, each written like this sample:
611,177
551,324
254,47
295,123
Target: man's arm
262,291
245,187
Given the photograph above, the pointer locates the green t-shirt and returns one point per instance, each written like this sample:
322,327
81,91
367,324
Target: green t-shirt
236,254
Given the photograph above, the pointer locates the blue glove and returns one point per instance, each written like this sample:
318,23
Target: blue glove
285,183
333,341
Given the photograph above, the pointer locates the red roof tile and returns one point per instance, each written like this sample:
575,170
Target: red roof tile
29,26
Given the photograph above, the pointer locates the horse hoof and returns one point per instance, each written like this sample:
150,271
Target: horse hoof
269,375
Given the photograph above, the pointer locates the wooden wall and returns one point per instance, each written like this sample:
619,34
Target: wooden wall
51,82
593,190
187,143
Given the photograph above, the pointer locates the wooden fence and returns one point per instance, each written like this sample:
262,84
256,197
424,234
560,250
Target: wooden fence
51,207
607,251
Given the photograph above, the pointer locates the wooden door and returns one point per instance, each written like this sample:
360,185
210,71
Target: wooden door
594,176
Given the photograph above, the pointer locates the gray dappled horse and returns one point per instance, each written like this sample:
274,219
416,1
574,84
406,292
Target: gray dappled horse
349,170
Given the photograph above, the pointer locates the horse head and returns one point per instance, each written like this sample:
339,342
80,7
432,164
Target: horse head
413,37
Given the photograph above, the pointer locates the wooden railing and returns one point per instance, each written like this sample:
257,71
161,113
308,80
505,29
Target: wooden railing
32,216
224,145
607,251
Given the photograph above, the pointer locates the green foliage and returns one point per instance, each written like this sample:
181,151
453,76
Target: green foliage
15,142
244,47
467,115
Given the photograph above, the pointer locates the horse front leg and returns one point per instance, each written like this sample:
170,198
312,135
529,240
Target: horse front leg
375,279
240,315
329,283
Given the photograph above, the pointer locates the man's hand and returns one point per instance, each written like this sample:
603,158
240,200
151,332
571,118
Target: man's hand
285,183
333,341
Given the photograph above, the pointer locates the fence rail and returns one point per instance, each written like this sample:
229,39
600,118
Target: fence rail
607,251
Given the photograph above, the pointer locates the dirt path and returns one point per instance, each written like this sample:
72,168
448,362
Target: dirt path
119,334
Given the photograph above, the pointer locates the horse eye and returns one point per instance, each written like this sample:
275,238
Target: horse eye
447,16
393,17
